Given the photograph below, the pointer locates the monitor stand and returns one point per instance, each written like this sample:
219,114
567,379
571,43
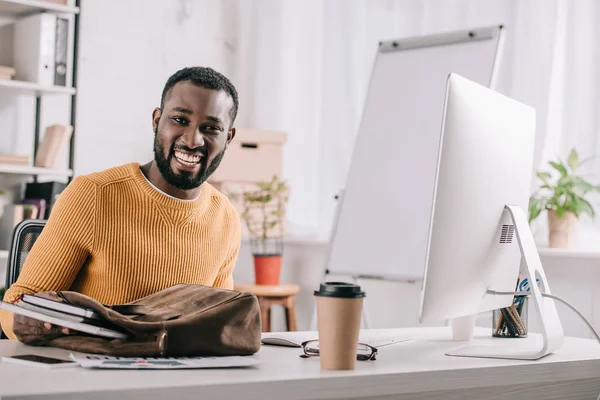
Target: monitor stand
552,331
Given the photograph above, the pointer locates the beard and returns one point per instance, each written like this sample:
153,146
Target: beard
185,180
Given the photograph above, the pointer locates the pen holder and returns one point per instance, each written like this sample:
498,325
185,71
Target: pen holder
511,322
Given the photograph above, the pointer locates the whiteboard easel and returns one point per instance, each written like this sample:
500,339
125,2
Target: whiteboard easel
382,219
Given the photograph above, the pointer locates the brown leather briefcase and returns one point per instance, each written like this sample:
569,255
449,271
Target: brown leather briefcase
180,321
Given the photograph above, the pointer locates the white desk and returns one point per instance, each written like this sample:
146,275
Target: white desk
412,370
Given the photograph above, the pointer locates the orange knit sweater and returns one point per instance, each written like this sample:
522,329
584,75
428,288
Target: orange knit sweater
114,237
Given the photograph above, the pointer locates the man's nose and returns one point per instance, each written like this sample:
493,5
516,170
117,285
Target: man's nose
193,139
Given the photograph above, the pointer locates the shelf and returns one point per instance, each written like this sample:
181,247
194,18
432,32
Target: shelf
302,240
568,253
34,87
26,170
19,8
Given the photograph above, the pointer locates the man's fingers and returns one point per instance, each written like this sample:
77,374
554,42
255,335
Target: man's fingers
32,331
24,326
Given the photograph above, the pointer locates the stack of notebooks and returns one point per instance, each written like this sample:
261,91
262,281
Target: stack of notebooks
12,214
65,315
6,73
14,159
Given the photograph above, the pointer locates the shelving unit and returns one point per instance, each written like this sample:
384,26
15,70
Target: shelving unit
13,10
33,171
569,253
34,88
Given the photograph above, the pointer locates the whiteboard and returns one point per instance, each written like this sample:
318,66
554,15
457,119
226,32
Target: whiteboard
384,212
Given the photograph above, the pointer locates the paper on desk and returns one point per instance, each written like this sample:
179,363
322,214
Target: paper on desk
107,362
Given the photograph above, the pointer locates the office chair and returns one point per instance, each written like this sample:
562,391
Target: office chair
25,233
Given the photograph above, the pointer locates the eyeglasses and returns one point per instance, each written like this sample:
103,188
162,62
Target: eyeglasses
364,352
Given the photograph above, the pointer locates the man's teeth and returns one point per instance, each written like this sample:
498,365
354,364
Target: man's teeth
188,158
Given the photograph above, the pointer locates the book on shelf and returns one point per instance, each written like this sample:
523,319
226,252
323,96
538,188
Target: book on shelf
40,49
6,72
11,215
54,143
49,191
40,205
30,211
14,159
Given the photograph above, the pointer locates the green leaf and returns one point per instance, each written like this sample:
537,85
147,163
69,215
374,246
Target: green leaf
534,209
572,204
573,160
545,177
586,207
583,185
559,167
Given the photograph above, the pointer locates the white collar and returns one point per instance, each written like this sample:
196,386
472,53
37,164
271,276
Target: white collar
166,194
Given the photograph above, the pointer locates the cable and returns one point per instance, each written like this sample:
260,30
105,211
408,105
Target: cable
551,296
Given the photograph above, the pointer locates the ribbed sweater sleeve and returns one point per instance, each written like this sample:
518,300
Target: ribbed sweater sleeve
61,249
224,278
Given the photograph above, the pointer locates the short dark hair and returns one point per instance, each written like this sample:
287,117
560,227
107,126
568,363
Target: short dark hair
205,77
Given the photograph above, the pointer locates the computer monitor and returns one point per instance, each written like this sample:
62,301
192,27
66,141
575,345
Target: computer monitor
479,233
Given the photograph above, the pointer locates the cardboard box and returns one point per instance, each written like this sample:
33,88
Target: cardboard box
235,190
252,156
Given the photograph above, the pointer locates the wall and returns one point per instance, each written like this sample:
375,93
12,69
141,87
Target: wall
128,49
301,67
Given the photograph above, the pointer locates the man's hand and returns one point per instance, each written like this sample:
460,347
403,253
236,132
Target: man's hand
32,331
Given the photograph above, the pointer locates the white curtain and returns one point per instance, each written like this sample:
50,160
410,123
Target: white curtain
303,67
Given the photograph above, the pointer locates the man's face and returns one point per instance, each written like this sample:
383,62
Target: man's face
191,134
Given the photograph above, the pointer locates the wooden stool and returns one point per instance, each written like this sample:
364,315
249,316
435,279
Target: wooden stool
268,296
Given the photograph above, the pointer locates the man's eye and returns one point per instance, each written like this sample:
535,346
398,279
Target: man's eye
181,121
211,128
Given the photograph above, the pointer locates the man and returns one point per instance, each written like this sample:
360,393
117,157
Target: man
133,230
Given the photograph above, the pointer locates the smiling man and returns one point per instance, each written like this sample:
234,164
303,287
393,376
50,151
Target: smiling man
132,230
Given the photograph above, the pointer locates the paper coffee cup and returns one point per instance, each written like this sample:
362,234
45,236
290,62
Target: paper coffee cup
339,310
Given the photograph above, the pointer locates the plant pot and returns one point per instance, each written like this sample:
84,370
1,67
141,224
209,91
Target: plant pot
562,231
267,269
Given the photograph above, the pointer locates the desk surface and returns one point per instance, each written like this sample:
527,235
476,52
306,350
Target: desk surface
410,370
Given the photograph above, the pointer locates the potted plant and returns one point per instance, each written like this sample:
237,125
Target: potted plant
264,214
564,197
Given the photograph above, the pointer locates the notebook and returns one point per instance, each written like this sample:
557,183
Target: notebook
66,320
372,337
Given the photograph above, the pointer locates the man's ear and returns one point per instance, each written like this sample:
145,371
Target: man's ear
230,135
155,118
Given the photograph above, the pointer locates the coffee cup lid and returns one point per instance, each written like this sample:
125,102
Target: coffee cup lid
340,289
